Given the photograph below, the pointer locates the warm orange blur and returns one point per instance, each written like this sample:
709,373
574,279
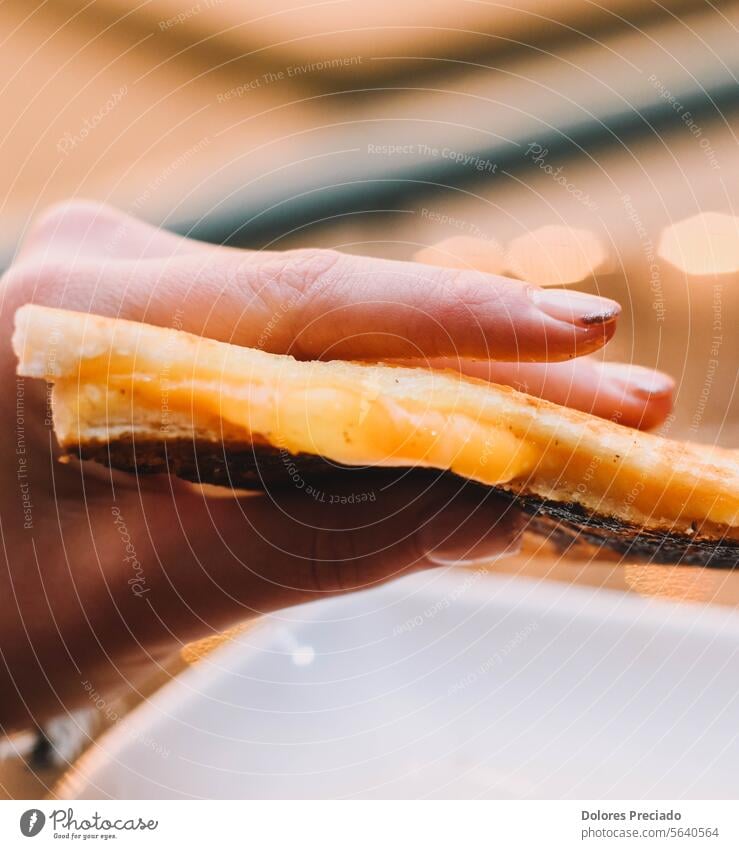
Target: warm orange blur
556,255
706,243
167,110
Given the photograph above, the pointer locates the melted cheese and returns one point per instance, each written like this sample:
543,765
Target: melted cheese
114,378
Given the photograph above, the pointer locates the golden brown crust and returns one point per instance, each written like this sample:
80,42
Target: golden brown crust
113,378
258,466
148,399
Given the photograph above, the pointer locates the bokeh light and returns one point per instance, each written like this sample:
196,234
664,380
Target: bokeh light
707,243
555,255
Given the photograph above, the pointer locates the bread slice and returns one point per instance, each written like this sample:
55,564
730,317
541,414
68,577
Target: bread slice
152,399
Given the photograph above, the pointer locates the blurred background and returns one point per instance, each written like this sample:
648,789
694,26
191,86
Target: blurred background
588,145
584,143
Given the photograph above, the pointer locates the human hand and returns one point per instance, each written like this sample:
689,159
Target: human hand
70,610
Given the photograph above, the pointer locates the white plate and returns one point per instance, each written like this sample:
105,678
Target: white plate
445,685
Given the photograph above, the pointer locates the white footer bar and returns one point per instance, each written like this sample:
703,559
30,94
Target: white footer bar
372,824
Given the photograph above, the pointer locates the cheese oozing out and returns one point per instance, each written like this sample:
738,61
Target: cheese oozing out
114,378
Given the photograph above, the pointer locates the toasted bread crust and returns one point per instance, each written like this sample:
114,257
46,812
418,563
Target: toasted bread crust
149,399
258,466
113,378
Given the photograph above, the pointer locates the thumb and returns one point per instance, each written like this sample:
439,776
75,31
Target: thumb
222,560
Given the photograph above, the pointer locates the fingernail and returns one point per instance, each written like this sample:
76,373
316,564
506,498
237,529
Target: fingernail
575,307
476,534
638,380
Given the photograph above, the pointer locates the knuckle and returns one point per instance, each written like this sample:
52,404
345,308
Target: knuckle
71,213
334,562
286,286
303,271
312,267
73,228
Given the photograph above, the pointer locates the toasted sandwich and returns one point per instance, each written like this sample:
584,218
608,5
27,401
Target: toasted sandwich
149,399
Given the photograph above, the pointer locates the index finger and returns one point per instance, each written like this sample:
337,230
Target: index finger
324,304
